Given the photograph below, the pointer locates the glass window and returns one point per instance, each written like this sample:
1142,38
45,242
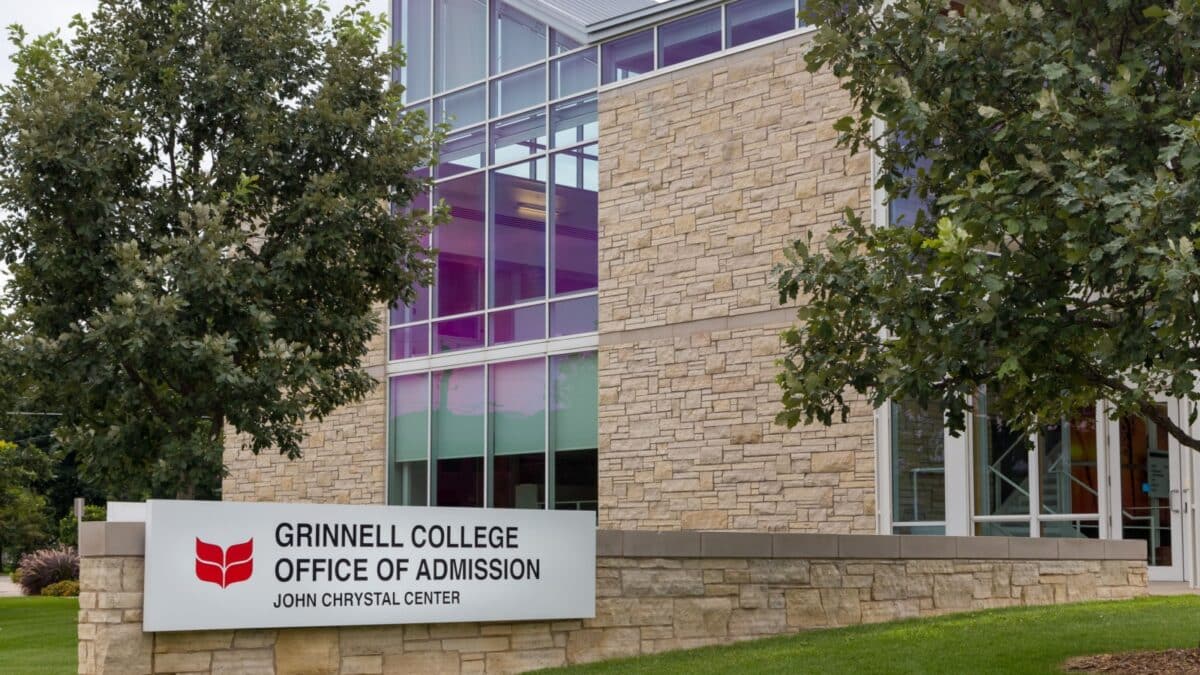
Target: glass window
574,121
576,480
575,244
689,38
408,439
918,463
460,244
1070,474
1145,462
517,403
629,56
573,74
464,332
1001,464
517,39
518,137
408,341
459,43
458,425
519,91
574,316
751,20
518,234
562,43
1002,529
518,325
462,152
462,108
412,27
575,399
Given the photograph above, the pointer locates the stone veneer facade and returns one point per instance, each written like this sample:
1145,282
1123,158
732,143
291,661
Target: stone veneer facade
655,592
706,174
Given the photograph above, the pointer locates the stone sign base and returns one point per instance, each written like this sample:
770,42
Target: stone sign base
655,592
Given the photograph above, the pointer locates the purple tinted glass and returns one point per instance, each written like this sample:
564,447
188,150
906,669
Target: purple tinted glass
576,223
462,333
418,311
462,152
751,20
518,325
407,342
460,263
574,316
689,38
629,56
519,235
518,137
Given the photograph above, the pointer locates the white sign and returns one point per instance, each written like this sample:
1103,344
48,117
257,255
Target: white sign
215,565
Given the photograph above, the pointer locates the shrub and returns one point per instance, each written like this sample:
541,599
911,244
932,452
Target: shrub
47,566
68,527
62,589
15,575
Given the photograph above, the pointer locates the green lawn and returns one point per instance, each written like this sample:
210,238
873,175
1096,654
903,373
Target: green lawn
37,635
1024,640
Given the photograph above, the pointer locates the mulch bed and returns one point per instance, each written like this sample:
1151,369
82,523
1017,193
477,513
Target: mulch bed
1171,661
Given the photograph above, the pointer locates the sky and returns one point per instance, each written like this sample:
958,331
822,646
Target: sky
44,16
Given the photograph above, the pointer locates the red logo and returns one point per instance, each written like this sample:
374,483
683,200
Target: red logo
224,566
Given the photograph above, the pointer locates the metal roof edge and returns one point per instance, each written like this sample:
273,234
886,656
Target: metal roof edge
560,21
631,21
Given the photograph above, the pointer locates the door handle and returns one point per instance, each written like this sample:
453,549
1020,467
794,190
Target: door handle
1171,501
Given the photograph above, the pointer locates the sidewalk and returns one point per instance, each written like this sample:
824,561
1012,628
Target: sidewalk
7,588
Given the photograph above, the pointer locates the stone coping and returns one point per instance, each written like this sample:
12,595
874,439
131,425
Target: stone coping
100,539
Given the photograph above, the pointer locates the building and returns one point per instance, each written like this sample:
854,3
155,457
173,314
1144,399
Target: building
622,178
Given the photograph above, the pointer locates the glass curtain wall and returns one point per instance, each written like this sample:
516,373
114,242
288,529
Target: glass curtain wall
517,265
918,469
519,172
511,434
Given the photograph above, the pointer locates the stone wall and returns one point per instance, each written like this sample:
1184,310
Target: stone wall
345,455
655,592
706,174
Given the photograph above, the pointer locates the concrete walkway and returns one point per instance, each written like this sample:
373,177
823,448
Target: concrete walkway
7,588
1171,588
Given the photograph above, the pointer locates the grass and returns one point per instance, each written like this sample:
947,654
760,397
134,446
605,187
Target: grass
1022,640
37,635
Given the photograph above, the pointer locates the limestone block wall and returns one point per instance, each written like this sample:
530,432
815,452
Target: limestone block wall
655,592
345,455
706,174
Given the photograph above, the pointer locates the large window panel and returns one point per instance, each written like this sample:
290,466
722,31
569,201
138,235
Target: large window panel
518,325
517,404
412,27
750,20
576,223
459,43
518,234
408,444
408,341
462,108
518,137
458,436
574,121
519,91
460,244
464,332
1070,473
462,152
689,38
918,463
573,74
1001,464
517,38
629,56
575,401
574,316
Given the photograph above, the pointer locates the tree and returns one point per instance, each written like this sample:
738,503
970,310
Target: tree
1055,147
202,225
24,516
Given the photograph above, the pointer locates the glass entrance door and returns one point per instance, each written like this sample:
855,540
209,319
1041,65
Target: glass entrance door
1150,496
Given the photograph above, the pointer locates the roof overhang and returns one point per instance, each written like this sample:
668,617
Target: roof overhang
591,21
